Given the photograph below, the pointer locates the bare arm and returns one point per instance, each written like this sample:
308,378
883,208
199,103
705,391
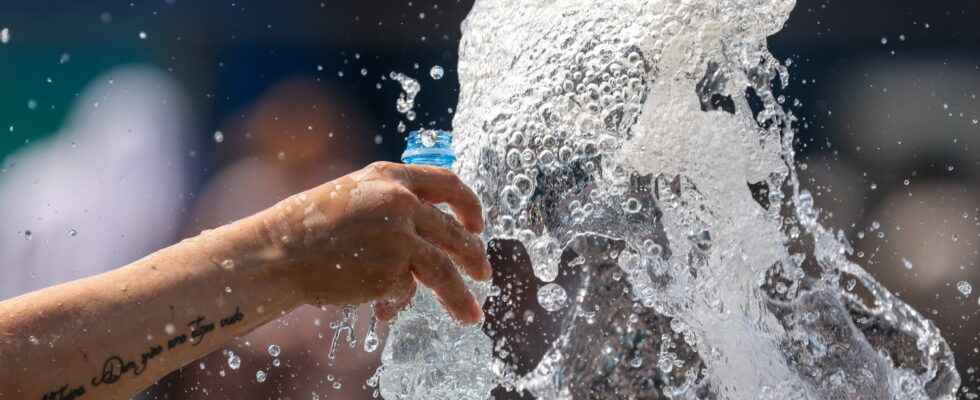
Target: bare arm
365,237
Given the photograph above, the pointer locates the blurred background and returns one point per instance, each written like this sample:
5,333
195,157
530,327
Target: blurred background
137,123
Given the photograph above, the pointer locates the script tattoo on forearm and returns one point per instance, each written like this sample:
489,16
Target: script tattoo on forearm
115,367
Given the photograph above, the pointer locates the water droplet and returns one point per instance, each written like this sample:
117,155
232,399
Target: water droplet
228,264
964,287
260,376
5,35
219,137
276,362
228,289
274,350
552,297
429,137
234,362
142,35
437,72
371,342
169,329
28,234
72,232
906,263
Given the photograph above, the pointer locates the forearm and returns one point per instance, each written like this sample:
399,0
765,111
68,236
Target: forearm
111,335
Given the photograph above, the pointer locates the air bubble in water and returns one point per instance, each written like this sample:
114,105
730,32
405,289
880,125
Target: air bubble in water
72,232
219,137
142,35
552,297
436,72
631,205
260,376
274,350
5,35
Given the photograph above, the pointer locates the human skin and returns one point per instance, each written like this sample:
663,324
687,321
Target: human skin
365,237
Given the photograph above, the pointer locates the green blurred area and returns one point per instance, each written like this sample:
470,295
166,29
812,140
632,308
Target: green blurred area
50,78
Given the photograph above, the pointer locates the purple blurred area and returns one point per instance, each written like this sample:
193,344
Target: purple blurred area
125,126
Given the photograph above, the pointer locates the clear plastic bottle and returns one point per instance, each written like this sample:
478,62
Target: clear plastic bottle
428,355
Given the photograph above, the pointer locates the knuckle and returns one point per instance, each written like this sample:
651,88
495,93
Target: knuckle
401,198
382,168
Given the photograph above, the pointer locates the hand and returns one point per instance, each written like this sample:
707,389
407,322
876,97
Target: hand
370,235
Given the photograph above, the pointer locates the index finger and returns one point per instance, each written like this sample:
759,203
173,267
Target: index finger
440,185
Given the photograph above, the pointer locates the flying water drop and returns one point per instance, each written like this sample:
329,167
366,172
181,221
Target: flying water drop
436,72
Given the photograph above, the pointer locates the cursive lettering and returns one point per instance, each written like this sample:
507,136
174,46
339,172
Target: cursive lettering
199,329
113,369
233,319
64,394
176,340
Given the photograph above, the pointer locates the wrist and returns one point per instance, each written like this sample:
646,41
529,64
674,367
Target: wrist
246,256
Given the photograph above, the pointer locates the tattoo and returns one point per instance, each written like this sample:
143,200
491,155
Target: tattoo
153,352
64,394
115,367
176,340
199,329
233,319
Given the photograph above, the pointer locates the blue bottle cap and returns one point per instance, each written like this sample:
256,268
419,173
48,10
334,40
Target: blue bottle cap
429,147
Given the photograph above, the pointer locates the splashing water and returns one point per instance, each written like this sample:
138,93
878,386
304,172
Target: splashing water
406,100
645,138
342,329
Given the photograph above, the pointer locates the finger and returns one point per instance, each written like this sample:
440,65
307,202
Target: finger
433,268
387,310
439,185
444,231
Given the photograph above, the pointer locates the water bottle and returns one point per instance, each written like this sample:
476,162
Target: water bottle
428,355
429,147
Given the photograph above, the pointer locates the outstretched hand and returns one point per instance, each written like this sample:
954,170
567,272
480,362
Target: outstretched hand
371,235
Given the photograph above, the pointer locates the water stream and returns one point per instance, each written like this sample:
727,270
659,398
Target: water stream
646,138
